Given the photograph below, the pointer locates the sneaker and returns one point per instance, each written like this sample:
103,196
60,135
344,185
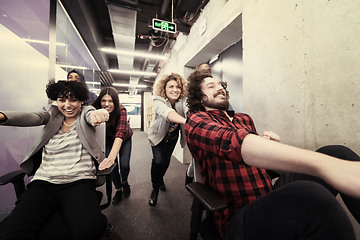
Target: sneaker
126,189
153,197
117,198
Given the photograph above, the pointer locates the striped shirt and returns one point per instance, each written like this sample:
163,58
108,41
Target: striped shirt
65,160
215,143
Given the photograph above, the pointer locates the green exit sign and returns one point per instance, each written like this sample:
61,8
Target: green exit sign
162,25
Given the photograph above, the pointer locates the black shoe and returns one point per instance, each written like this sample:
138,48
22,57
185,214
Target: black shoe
162,187
188,179
153,197
117,198
126,189
110,234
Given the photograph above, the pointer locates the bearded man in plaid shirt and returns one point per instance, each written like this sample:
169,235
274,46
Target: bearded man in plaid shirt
232,159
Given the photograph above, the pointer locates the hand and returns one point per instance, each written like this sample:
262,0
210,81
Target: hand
271,136
3,118
106,163
99,116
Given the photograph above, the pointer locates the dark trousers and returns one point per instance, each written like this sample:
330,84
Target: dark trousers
161,161
300,207
56,211
119,176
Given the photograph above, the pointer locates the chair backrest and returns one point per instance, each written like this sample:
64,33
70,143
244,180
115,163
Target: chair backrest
100,134
204,199
197,175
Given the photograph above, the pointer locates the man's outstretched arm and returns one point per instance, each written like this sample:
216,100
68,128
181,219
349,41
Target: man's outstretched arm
343,175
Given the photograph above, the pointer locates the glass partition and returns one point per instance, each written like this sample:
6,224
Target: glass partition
24,66
72,52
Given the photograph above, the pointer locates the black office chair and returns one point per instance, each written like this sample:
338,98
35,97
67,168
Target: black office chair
17,179
205,199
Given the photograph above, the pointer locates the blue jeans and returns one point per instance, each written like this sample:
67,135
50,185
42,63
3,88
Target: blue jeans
161,161
300,207
117,176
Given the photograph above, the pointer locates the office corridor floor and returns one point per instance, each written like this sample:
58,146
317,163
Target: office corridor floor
133,218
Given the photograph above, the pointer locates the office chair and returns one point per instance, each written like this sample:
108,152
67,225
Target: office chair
205,199
17,179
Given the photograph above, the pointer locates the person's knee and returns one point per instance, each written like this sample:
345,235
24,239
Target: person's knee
319,207
339,151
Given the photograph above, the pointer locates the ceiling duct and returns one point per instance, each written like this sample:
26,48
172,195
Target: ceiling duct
123,24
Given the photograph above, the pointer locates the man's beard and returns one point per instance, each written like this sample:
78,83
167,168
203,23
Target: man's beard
223,105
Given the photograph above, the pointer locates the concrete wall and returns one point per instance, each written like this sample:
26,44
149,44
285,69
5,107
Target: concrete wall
301,65
301,70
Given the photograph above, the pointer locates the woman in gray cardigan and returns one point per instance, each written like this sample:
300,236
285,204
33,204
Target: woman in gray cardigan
170,111
65,162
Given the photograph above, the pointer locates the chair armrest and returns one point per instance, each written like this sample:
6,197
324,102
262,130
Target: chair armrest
211,200
12,177
108,190
17,179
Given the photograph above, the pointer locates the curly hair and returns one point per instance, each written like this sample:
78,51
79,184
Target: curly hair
160,84
114,115
194,92
71,89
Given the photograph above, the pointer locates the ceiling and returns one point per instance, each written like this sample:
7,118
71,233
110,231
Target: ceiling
127,24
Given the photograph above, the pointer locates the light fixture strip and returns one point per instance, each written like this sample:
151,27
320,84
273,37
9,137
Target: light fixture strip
94,83
134,53
129,85
71,66
42,42
133,73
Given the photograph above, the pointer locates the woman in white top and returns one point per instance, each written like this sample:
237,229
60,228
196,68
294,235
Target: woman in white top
65,161
170,110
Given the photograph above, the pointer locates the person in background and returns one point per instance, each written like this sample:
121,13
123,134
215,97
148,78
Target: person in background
203,67
65,163
170,110
74,75
232,159
118,140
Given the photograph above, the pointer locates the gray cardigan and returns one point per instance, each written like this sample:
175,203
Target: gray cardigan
160,124
52,118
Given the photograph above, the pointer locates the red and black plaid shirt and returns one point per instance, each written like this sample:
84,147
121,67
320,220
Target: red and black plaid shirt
123,129
215,143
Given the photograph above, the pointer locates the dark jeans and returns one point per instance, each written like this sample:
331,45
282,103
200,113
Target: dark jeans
161,161
300,207
56,211
117,176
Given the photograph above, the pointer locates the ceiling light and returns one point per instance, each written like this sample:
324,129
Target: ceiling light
134,53
129,85
94,83
42,42
94,90
71,66
133,73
